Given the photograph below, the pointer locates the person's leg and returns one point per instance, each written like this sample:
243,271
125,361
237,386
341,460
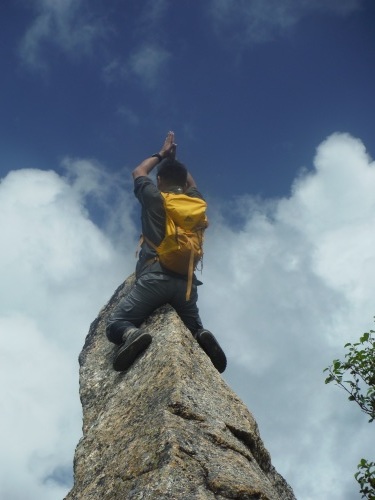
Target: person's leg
147,294
186,309
189,313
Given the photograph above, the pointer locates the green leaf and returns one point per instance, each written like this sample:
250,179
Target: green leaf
365,337
336,364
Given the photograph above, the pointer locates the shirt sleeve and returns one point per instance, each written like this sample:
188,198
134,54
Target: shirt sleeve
146,191
153,213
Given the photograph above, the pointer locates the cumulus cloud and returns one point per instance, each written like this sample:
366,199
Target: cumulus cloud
57,270
259,21
285,288
61,24
294,285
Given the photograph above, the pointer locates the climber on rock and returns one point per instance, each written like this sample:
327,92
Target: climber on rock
173,223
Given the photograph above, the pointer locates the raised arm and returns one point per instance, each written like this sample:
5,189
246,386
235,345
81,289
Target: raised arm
168,149
190,181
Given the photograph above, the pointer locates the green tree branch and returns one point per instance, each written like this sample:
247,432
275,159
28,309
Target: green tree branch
356,375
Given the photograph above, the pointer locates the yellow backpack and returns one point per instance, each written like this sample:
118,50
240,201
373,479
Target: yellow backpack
182,247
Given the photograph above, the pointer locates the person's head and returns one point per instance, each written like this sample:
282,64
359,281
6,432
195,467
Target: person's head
171,173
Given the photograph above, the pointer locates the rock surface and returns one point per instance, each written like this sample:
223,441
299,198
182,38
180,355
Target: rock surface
169,427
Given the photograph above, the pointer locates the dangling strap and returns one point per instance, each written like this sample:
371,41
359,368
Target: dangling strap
190,273
149,243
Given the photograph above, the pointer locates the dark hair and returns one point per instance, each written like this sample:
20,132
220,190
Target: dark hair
172,172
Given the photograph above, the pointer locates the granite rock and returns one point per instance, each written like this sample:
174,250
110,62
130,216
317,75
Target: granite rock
167,428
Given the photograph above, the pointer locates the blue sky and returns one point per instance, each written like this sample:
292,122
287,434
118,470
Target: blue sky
249,90
272,106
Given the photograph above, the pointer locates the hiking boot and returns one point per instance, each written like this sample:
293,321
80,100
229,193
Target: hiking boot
212,348
136,341
129,333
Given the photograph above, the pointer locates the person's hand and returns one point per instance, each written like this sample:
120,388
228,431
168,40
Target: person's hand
169,146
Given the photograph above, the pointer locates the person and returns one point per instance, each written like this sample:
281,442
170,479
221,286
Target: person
155,285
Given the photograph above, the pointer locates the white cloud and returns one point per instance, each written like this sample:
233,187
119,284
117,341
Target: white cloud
57,270
146,64
61,24
262,20
38,415
293,286
283,293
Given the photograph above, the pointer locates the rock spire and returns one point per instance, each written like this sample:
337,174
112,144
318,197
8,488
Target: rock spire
169,427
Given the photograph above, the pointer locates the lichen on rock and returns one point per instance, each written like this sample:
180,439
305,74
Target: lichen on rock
167,428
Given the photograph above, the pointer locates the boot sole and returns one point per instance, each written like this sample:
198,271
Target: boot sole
211,347
127,355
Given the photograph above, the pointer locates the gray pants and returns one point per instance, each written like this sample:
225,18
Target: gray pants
151,291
